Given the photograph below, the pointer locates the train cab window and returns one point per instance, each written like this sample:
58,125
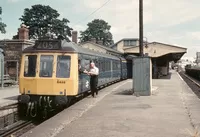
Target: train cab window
30,65
46,66
63,66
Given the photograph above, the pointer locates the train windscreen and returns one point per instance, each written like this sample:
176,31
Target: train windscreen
30,65
63,66
46,66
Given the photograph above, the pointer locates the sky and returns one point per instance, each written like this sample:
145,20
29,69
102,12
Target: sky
166,21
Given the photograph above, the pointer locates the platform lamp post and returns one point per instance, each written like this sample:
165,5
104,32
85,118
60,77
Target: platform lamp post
2,65
141,65
141,27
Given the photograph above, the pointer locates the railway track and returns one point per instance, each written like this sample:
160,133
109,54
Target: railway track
22,126
191,82
11,106
17,129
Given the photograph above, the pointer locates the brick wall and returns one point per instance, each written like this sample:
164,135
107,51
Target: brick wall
12,56
13,51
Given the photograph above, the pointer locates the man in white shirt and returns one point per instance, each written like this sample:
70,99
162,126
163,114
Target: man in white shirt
93,72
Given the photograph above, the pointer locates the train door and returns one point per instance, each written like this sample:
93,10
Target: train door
111,65
80,69
84,79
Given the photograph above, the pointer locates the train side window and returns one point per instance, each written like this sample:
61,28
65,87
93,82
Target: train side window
85,64
46,66
96,63
99,65
106,65
103,65
63,66
114,66
118,65
109,65
30,65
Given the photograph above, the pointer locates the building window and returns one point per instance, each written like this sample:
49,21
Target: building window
129,43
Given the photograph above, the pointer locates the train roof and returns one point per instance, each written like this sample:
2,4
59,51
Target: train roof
63,47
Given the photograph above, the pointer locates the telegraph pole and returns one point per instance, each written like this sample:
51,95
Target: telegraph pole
141,27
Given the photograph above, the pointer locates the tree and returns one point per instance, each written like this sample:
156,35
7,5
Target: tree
16,36
43,19
98,29
2,25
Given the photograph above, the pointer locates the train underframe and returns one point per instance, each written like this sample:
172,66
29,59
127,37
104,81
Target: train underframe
39,106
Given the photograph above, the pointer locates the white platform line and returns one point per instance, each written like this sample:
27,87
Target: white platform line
179,76
62,126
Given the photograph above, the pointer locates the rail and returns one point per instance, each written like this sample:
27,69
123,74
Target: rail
16,128
11,106
191,80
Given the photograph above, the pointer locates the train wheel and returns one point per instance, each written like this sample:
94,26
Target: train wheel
85,94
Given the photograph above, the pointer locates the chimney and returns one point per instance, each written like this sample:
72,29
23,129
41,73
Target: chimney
23,32
100,42
93,40
74,36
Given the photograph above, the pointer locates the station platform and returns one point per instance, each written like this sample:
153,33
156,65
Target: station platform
172,111
8,95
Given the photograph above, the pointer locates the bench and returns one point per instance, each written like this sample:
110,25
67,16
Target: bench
7,80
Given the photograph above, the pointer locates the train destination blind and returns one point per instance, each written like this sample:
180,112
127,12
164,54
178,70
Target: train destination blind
47,45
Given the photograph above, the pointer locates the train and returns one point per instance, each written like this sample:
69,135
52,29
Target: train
50,77
193,71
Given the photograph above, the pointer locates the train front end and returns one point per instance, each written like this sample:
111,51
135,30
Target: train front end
47,77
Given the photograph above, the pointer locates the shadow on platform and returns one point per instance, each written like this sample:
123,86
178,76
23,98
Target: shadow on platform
11,98
166,77
125,92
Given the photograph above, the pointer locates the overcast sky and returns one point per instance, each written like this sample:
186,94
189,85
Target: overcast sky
167,21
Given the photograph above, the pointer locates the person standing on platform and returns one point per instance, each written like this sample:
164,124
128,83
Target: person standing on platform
93,72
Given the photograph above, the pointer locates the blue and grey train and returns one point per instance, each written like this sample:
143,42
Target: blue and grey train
50,77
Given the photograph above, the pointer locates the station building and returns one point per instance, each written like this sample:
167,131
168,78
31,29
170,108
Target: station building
161,54
13,50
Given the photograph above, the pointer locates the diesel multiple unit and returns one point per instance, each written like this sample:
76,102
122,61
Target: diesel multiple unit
50,76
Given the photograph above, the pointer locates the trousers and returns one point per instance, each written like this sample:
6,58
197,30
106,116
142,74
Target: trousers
93,85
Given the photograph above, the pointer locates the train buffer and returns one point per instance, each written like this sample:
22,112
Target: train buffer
172,110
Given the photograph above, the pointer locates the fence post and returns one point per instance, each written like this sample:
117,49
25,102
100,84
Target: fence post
2,71
17,78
